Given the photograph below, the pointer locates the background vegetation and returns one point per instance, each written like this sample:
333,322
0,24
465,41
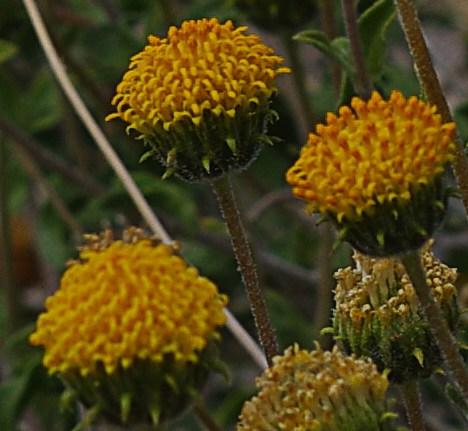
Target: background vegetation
55,185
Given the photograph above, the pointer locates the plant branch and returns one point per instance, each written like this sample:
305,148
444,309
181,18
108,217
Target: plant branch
51,160
362,82
33,170
223,190
447,344
411,395
111,156
430,83
204,416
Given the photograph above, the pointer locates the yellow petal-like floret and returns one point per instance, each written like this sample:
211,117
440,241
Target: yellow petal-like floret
315,391
372,153
124,302
203,65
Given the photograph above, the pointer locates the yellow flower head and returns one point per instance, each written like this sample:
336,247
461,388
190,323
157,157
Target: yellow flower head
378,315
200,83
317,391
373,155
124,301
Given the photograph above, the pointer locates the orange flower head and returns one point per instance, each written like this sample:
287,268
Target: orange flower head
376,160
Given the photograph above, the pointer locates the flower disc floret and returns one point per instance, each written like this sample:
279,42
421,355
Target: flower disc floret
200,84
317,391
378,315
381,160
125,302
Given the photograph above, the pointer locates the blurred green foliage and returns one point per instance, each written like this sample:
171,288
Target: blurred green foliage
96,39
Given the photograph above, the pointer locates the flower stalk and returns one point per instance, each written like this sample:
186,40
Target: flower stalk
454,363
430,83
242,250
362,81
412,399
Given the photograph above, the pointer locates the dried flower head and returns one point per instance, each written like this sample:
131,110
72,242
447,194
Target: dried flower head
318,391
376,171
130,314
277,14
200,97
378,315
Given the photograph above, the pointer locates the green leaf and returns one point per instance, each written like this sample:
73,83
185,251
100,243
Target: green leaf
7,50
373,26
41,102
14,393
337,49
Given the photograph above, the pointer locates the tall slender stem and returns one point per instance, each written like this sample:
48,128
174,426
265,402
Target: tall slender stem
447,344
430,83
362,82
412,399
243,252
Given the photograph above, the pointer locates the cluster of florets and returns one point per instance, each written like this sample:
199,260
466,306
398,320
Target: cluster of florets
378,315
131,316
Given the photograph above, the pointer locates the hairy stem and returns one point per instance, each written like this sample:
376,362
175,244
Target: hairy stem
430,83
243,253
362,82
447,344
412,399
